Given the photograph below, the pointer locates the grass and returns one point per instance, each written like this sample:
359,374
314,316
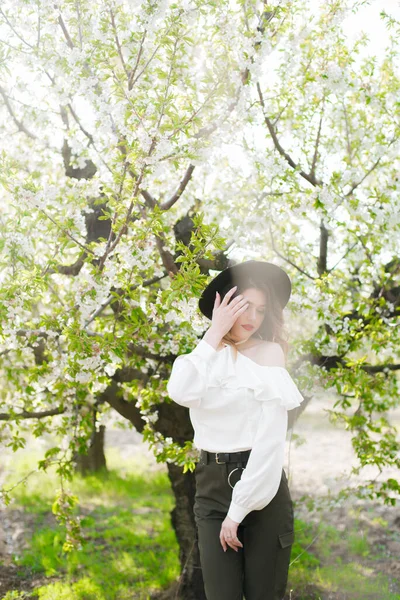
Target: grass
130,547
332,572
127,550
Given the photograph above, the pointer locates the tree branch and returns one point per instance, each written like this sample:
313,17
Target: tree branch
65,31
79,23
131,81
15,31
182,185
307,176
19,124
315,157
346,120
356,185
118,44
111,298
88,135
333,362
129,410
286,259
323,249
344,256
381,368
132,74
370,170
32,415
265,18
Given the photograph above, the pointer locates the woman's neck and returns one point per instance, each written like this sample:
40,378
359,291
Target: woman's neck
251,342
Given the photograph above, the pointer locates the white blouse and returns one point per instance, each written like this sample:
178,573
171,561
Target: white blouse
237,406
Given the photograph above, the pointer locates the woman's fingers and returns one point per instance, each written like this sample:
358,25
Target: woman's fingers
235,543
242,308
224,315
225,542
243,303
232,542
222,540
228,295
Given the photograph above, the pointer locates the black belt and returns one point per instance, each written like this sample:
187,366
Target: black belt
224,457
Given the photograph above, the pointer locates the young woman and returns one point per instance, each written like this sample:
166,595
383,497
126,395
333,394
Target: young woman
238,392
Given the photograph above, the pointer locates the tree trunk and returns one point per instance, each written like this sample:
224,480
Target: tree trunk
174,421
95,459
190,585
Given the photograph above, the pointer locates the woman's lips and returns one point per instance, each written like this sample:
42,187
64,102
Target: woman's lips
248,327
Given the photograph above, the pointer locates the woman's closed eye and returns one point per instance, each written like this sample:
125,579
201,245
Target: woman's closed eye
260,312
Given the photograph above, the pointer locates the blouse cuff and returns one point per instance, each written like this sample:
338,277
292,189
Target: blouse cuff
204,349
237,513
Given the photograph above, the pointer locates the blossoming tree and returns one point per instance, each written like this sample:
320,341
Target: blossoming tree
120,192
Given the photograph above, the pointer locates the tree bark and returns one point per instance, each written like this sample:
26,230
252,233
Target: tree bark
95,459
190,585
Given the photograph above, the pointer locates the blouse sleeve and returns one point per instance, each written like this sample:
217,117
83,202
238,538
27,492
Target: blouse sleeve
276,383
260,479
188,380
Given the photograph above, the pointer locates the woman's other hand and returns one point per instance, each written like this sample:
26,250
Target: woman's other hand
228,535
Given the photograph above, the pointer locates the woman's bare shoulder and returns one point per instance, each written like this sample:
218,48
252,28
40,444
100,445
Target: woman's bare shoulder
271,354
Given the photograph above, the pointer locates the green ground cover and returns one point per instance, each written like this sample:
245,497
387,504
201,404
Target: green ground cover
130,549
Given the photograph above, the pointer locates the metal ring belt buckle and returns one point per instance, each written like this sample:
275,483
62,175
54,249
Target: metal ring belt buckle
216,459
229,476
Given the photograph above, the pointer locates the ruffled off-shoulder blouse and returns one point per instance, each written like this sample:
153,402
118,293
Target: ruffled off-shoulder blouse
237,406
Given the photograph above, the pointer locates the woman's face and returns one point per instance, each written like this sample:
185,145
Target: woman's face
253,315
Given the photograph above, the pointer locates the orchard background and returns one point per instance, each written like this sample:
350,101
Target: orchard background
145,146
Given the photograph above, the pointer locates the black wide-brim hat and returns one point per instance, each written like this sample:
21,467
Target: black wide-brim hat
258,270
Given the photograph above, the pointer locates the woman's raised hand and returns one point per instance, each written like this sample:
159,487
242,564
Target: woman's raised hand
225,313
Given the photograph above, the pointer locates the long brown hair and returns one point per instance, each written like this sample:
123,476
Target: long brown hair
273,326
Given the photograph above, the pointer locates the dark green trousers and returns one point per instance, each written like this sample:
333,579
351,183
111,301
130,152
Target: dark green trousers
259,570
